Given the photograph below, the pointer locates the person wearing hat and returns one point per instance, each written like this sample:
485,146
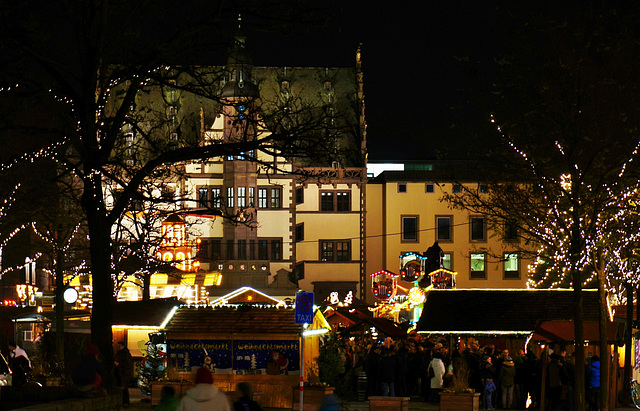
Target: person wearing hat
87,376
506,378
204,396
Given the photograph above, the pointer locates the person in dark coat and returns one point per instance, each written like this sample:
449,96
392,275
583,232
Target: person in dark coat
372,369
593,383
388,371
403,368
88,375
246,402
123,370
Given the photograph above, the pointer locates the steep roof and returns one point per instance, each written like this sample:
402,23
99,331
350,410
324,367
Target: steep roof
189,322
499,311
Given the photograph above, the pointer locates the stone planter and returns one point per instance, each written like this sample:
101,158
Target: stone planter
312,397
459,401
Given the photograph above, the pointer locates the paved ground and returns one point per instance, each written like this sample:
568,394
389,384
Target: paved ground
416,404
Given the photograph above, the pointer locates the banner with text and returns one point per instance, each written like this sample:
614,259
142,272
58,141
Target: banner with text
273,357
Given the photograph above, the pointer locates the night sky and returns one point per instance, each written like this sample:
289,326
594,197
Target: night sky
415,84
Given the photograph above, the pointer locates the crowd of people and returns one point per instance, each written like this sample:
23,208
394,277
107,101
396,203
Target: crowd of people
424,367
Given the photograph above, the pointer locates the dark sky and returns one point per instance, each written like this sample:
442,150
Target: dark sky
412,76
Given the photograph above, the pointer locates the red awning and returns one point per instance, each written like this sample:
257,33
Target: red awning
560,331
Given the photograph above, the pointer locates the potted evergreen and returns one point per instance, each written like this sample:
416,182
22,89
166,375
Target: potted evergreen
458,396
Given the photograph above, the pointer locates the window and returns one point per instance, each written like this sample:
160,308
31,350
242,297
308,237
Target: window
276,197
327,85
447,261
457,188
409,228
402,187
443,225
216,197
242,249
263,250
299,233
510,231
216,248
276,250
230,255
483,189
428,188
252,249
326,201
270,197
284,85
251,200
511,265
332,201
342,201
299,195
478,265
262,198
335,250
477,228
229,196
242,196
202,197
269,249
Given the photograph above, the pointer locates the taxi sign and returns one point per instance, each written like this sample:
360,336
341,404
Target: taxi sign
304,308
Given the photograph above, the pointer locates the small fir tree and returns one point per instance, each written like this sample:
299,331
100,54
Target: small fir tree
152,368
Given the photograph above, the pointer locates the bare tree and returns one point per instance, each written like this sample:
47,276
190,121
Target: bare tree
105,68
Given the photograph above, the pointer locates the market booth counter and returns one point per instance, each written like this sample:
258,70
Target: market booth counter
258,345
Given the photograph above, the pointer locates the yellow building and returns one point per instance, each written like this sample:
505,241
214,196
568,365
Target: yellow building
406,213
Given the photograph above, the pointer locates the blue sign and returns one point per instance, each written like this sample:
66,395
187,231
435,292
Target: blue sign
304,308
190,355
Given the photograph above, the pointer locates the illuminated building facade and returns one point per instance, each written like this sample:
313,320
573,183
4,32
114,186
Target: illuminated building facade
406,214
297,224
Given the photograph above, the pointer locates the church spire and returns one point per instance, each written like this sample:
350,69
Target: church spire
239,82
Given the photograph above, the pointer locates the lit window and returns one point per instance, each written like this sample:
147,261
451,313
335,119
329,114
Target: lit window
262,198
216,198
270,197
447,261
276,200
242,199
229,196
478,264
511,265
202,197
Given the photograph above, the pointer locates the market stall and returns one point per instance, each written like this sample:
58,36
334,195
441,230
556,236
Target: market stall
243,343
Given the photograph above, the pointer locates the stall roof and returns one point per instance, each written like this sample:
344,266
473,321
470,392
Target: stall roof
244,319
562,331
499,311
383,325
149,313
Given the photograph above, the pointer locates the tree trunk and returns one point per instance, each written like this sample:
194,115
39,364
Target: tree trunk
100,246
60,311
146,287
578,329
628,341
605,357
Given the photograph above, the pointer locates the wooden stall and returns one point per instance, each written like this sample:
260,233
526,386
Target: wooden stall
252,343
